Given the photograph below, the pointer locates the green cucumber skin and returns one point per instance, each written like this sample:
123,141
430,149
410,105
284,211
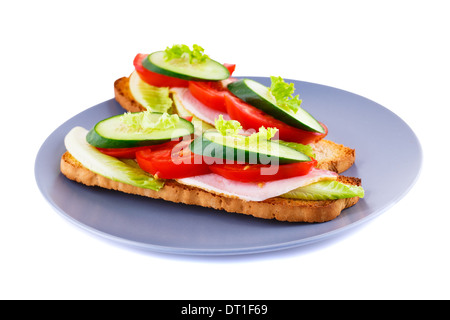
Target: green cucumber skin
147,64
96,140
242,91
201,143
154,68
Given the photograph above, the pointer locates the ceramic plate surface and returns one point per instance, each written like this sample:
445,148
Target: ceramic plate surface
388,160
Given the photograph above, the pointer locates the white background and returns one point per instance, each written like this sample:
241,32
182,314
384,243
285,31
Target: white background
59,58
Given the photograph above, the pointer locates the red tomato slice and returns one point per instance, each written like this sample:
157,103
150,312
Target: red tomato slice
153,78
130,153
172,161
253,118
188,118
230,66
212,93
125,153
254,172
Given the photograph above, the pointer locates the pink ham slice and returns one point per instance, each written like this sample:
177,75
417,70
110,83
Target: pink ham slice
201,111
253,191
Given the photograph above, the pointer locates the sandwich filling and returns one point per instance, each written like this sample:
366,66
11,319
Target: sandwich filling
199,129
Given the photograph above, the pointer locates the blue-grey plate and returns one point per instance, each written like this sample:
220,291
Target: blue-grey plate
388,160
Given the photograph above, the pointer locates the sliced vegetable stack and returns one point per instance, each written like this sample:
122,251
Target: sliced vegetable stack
178,64
276,101
249,158
160,146
204,88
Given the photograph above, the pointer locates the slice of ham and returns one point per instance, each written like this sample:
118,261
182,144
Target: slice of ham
201,111
256,191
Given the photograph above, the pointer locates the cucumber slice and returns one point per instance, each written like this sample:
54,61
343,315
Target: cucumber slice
208,70
259,96
123,171
239,148
113,133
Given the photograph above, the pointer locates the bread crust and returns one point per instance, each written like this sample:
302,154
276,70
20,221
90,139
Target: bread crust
278,208
124,97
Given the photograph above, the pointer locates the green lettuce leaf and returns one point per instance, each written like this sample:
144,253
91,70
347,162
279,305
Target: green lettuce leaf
182,51
283,94
153,98
263,135
166,121
227,127
303,148
147,121
325,190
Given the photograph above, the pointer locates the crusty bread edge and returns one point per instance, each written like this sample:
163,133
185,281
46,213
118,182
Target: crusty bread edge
124,97
281,209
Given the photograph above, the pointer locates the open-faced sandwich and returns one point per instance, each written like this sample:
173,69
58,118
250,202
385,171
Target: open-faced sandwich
195,135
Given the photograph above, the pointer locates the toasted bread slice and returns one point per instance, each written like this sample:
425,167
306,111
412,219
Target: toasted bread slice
278,208
124,97
330,155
